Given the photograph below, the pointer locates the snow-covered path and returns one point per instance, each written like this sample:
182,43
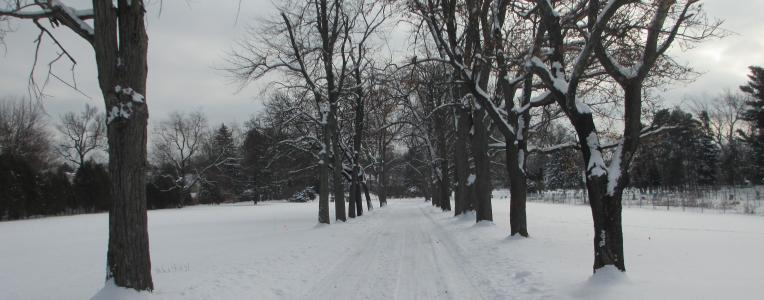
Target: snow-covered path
407,256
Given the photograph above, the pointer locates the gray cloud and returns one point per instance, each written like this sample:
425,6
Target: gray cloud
724,62
186,43
191,38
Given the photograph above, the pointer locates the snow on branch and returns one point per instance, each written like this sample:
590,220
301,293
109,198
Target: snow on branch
56,11
73,15
454,58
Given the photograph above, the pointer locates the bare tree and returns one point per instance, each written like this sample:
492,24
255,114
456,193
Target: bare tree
369,17
549,45
455,27
22,130
178,142
385,121
484,44
82,134
313,44
725,112
282,146
647,22
116,31
304,43
427,95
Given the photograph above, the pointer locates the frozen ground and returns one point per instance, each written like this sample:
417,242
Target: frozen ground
407,250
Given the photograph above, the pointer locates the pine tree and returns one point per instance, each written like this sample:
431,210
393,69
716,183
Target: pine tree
683,156
225,181
91,187
55,191
707,153
754,114
223,141
19,187
561,170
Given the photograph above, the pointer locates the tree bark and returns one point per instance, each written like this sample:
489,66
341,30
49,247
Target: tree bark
337,178
351,201
357,140
121,45
383,178
323,177
608,233
444,183
368,197
434,192
482,168
358,200
518,188
461,163
517,151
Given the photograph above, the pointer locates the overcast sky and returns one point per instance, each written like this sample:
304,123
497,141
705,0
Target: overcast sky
191,38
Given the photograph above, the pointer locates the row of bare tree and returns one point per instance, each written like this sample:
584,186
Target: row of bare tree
484,75
494,65
332,87
583,60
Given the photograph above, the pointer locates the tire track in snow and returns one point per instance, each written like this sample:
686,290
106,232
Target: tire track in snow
460,260
406,256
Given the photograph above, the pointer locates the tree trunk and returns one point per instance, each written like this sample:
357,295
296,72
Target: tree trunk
518,188
358,200
368,197
434,192
128,253
444,182
516,158
426,189
608,233
339,190
472,194
120,45
357,140
605,196
445,190
606,209
383,182
482,168
461,163
323,189
351,202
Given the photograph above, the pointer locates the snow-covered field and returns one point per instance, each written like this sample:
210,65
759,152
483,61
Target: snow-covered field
407,250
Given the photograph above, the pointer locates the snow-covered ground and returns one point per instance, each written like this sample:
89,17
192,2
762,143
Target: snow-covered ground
407,250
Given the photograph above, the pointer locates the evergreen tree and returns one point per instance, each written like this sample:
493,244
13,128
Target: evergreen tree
56,192
683,156
273,168
754,114
225,180
562,170
91,187
19,187
162,191
707,153
210,193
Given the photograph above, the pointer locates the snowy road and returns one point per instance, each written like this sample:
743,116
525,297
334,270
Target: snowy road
406,256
